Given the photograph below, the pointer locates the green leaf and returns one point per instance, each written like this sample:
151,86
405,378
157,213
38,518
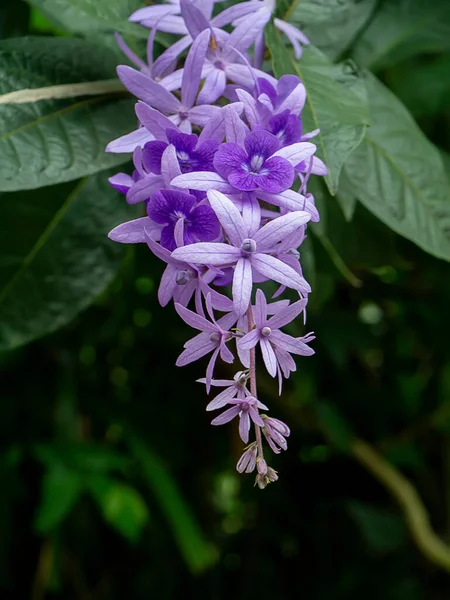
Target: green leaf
197,553
399,176
61,488
346,197
332,24
121,505
334,425
324,203
342,121
381,530
83,16
62,259
401,29
86,458
52,141
424,88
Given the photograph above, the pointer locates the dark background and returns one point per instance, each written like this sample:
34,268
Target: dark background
114,485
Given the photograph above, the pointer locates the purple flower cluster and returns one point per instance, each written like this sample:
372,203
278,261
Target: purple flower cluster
220,208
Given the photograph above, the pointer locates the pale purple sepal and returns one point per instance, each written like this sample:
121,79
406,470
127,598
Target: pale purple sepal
130,141
133,232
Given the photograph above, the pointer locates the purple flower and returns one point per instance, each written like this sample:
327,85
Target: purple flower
185,221
286,127
163,17
183,112
275,432
255,167
267,333
247,411
191,156
181,281
289,93
235,387
224,61
246,252
213,338
294,35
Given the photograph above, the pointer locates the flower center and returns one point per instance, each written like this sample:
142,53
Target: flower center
214,337
266,331
183,277
245,406
183,115
280,135
182,155
219,65
256,162
248,246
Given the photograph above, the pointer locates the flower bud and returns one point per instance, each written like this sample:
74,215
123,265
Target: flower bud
247,462
262,481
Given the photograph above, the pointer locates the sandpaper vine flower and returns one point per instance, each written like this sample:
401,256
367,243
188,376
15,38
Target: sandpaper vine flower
218,150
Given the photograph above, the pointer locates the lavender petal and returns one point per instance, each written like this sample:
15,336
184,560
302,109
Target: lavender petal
229,217
275,269
269,357
278,229
205,253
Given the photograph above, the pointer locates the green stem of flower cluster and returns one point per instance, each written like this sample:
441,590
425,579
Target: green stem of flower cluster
253,389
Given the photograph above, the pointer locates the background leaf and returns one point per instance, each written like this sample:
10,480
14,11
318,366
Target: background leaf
424,87
343,121
82,16
121,505
404,28
13,19
381,530
63,261
399,176
50,141
332,25
61,488
198,554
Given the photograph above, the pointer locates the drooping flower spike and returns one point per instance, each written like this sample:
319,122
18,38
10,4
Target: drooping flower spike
221,169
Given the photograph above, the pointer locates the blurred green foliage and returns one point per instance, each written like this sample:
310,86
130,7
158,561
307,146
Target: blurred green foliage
113,483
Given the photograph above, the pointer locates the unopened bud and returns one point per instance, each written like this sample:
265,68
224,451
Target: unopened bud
262,481
247,462
261,465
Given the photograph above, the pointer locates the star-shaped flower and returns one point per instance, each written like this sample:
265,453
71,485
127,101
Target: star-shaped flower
247,250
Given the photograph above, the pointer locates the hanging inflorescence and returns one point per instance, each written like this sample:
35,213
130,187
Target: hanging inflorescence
220,208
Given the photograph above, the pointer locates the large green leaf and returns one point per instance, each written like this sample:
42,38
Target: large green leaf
51,141
336,103
61,488
63,259
424,87
331,24
122,506
404,28
82,16
399,175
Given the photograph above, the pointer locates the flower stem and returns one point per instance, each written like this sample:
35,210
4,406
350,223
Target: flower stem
253,389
